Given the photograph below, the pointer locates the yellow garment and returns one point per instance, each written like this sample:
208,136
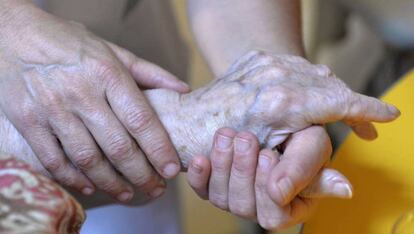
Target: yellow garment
382,173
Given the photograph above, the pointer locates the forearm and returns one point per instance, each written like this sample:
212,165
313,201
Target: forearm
225,30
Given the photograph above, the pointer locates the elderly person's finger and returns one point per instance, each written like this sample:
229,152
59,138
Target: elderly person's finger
362,108
305,154
243,170
146,74
357,111
198,175
364,130
221,161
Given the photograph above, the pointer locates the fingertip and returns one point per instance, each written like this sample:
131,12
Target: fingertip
393,110
366,131
198,175
171,170
342,190
182,87
330,183
125,196
200,165
89,190
174,84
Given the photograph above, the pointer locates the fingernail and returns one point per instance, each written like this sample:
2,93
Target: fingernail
184,85
171,170
264,161
124,197
156,192
285,188
241,145
393,110
223,142
87,191
342,190
197,168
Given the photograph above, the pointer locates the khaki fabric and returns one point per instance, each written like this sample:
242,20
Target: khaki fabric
149,29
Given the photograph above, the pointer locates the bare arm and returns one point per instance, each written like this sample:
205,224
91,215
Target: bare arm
225,30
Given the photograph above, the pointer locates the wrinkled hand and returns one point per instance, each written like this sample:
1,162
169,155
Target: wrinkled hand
269,96
236,177
287,93
275,96
75,99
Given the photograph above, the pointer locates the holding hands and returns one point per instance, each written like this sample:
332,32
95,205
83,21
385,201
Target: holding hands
239,178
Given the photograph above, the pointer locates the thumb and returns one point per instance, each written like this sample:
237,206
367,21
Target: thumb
328,183
146,74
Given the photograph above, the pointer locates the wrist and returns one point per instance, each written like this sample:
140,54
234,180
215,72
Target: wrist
15,17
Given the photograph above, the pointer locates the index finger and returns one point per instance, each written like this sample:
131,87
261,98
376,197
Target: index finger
134,112
306,153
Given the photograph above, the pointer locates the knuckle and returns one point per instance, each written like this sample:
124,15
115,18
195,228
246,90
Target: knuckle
297,59
219,200
283,96
157,152
67,178
28,117
86,158
110,186
107,69
119,149
297,170
243,168
242,211
144,182
263,58
260,186
324,70
273,71
78,94
52,164
51,99
139,121
220,164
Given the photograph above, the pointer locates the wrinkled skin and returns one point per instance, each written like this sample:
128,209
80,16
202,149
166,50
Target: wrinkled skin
76,99
235,176
269,96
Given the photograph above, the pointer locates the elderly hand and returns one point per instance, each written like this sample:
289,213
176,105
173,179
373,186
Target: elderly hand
236,177
75,99
274,96
271,97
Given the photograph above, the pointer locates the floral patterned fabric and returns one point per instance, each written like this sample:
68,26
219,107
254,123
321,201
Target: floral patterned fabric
32,203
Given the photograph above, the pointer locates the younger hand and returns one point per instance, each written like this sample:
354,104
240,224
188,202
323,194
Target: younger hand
235,178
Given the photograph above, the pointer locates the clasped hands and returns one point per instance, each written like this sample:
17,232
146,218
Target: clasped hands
71,106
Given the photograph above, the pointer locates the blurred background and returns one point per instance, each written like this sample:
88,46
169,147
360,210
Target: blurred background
367,43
